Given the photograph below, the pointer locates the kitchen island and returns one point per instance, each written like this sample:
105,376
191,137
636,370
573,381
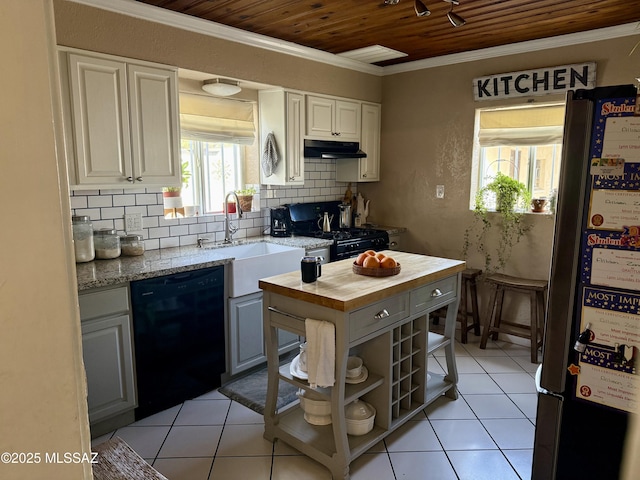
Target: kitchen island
383,320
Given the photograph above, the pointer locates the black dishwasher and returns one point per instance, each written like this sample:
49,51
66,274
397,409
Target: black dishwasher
179,341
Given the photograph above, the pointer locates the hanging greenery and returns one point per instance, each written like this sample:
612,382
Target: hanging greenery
512,199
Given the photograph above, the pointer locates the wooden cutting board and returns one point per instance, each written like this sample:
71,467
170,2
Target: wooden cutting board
341,289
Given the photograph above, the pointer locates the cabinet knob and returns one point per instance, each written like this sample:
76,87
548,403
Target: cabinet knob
436,293
138,179
291,179
381,314
364,175
393,244
130,179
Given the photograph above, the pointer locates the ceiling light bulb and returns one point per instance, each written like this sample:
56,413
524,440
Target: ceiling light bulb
221,87
421,9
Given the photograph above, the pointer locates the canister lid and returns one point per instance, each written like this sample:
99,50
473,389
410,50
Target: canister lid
80,218
131,238
105,232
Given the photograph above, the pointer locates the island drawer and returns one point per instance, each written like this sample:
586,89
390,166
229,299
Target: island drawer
434,294
99,303
378,315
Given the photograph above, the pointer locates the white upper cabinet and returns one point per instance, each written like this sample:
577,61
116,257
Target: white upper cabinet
333,118
124,122
282,113
365,169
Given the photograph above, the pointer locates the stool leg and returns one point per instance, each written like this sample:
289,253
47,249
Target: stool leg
498,313
541,318
474,307
488,316
462,312
533,299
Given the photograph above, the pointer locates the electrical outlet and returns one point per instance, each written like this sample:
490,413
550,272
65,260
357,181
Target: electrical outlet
440,191
133,222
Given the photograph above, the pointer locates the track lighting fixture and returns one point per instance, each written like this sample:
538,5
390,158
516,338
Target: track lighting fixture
421,9
455,19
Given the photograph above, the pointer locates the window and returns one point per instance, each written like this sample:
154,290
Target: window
216,168
524,143
215,133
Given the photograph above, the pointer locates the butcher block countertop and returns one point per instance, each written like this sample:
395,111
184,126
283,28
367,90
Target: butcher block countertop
339,288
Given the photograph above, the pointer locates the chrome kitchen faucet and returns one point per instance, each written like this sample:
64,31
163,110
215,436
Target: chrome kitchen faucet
230,229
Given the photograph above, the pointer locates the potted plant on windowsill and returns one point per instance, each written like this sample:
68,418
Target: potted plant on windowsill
512,199
185,174
245,197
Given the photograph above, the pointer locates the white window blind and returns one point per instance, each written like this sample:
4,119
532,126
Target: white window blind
531,126
212,119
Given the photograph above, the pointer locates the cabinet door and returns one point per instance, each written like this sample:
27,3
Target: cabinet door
100,120
295,142
106,347
347,120
370,143
246,340
155,139
320,117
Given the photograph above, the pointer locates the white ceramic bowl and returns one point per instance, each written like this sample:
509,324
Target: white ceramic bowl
314,406
359,417
354,367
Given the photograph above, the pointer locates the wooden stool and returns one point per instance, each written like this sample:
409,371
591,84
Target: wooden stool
493,322
468,305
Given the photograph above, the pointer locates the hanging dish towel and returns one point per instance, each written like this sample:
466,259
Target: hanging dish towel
321,352
270,155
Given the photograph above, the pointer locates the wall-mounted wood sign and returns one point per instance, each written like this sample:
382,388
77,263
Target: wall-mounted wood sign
543,81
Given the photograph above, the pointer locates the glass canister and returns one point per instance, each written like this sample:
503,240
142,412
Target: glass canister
131,245
83,238
107,243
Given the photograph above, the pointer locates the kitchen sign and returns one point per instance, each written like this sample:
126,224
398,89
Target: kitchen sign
544,81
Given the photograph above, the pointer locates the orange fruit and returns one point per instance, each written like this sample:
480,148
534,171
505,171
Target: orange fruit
380,256
370,252
360,259
371,262
388,262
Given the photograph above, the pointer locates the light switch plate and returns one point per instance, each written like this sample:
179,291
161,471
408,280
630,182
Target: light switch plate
133,222
440,191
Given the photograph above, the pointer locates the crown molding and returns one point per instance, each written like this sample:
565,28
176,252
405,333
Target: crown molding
517,48
163,16
152,13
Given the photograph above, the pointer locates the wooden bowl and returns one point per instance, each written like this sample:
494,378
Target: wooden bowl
376,272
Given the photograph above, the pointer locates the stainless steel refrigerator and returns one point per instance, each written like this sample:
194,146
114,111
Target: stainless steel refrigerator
587,389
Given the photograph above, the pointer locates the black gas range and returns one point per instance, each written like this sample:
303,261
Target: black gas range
306,219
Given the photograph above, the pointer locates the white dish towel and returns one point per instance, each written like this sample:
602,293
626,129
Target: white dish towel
321,352
270,156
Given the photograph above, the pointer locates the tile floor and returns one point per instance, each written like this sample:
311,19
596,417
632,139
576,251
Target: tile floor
486,434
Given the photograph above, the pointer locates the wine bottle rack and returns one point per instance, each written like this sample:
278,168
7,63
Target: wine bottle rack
408,367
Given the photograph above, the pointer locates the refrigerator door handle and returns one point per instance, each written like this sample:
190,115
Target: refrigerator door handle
543,390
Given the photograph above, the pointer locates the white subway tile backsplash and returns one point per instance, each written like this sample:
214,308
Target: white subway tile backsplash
168,242
147,199
100,201
107,207
113,212
124,200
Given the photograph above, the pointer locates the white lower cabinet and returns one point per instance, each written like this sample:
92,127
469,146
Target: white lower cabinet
107,352
247,347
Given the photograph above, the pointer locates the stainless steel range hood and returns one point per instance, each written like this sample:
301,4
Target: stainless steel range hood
332,149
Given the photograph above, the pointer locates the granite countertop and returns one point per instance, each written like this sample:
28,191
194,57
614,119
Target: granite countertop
167,261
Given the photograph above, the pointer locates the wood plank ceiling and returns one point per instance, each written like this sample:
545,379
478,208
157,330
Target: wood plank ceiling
338,26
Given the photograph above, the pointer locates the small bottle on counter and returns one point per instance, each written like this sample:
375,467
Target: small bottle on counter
131,245
83,238
107,243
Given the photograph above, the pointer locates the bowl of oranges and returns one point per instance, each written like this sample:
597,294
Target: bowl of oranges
375,264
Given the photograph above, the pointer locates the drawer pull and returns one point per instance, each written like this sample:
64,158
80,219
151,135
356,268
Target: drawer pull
381,314
436,293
